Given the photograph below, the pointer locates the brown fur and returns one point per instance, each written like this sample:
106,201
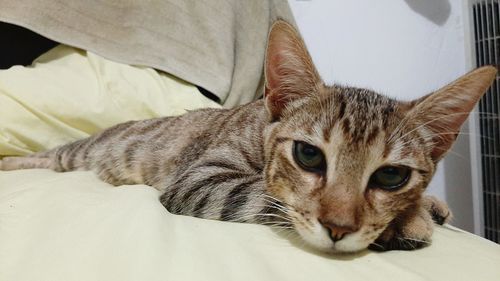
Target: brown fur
238,164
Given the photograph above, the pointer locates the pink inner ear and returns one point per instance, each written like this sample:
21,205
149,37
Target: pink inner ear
273,75
444,111
289,71
443,143
447,128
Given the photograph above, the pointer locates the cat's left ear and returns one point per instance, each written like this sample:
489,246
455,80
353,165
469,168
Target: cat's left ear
289,70
443,112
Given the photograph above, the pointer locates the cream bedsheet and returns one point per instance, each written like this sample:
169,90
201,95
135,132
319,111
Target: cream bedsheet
72,226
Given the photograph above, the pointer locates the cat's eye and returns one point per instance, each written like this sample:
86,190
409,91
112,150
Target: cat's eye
390,177
309,157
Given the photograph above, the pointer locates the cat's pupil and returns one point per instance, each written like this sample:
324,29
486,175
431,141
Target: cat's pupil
310,152
390,177
309,157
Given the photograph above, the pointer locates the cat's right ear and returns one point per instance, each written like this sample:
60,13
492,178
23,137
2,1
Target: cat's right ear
289,70
443,112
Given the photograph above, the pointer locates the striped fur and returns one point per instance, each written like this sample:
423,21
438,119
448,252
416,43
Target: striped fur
238,165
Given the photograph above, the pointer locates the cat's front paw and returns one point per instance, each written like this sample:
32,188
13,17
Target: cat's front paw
410,232
414,229
439,210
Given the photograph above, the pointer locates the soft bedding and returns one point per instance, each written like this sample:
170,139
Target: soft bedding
217,44
68,94
72,226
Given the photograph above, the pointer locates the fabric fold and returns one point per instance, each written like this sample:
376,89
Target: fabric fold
217,45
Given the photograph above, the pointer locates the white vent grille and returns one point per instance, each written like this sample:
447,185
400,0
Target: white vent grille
486,21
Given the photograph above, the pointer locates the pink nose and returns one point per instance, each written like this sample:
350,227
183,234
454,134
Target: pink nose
337,232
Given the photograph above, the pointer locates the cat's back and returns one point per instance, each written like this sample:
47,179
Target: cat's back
219,125
221,131
227,137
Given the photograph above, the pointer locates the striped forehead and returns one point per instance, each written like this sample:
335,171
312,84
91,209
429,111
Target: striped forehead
359,113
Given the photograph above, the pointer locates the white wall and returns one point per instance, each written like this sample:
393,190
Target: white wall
404,49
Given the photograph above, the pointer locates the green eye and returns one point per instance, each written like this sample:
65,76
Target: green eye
390,177
309,157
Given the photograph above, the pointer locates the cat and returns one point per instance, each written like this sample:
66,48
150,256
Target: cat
344,167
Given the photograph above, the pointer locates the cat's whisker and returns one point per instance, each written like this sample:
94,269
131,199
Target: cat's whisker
378,245
403,123
414,129
484,113
444,134
274,211
276,205
453,153
307,225
448,133
416,240
283,212
403,144
242,217
274,200
427,123
273,203
400,126
407,241
279,226
274,215
403,242
409,117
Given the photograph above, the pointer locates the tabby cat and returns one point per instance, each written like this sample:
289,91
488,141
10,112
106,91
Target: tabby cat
344,167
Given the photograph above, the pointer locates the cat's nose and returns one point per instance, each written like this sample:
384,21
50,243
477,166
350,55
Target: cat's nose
337,232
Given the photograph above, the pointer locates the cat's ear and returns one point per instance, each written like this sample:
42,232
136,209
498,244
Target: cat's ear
443,112
289,70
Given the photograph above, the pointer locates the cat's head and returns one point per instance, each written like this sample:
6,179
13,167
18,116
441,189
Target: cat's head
344,161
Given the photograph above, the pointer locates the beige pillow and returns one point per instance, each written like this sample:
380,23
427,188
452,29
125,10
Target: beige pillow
69,94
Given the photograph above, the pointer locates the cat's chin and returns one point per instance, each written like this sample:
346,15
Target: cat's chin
317,238
344,247
338,248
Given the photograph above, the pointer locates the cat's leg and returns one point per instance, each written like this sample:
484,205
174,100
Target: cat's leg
78,155
83,154
133,152
414,229
17,163
59,159
101,153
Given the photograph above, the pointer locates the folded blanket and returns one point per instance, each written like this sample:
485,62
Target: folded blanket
217,44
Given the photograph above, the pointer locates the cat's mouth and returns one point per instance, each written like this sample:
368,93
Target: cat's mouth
319,234
313,231
319,237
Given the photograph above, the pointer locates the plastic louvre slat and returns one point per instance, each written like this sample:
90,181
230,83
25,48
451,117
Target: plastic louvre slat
485,23
493,110
480,61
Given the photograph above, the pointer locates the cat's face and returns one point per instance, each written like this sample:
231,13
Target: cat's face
346,162
343,161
